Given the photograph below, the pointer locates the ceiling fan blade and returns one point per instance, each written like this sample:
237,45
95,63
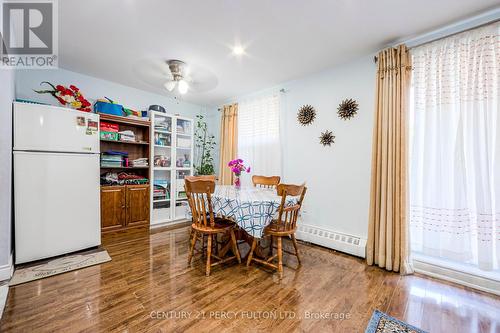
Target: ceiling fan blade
201,79
152,69
207,84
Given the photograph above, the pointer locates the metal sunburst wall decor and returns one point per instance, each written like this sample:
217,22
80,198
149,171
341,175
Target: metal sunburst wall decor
327,138
347,109
306,115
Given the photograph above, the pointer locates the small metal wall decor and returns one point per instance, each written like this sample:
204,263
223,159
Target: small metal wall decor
327,138
347,109
306,115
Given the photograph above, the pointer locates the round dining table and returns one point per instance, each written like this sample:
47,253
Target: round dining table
252,208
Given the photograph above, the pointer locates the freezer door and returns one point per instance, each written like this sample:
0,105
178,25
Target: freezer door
55,129
56,204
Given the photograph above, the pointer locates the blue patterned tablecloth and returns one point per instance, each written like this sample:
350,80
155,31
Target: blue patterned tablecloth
251,208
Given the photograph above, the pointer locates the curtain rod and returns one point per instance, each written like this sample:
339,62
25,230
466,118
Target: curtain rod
476,22
453,34
282,90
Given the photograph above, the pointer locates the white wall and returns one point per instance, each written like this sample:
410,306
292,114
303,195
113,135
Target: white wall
6,97
94,88
337,177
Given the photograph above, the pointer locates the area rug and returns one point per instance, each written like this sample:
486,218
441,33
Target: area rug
58,266
382,323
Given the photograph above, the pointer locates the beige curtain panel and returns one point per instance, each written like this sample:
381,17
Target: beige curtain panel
228,141
388,245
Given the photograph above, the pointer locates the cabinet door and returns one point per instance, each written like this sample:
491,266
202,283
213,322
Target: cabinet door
112,207
137,204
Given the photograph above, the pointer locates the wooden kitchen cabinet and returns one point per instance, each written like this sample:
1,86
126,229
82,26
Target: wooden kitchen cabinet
137,204
124,207
112,207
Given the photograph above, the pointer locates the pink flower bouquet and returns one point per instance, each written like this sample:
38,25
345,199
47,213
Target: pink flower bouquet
237,167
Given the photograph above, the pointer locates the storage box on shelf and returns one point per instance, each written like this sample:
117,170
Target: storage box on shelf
125,172
172,156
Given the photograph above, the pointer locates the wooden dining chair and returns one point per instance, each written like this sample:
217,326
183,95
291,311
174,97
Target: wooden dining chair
212,178
284,226
201,177
266,182
199,193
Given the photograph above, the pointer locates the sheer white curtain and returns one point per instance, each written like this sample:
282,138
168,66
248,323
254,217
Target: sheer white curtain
455,149
259,135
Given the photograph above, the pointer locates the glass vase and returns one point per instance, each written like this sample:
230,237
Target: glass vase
237,181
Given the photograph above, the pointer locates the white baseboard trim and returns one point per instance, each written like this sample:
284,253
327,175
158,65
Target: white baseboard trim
332,239
7,270
452,275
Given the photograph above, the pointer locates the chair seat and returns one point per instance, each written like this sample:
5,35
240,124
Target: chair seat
221,225
277,229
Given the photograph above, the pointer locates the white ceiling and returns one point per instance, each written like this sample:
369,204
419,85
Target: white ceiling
284,39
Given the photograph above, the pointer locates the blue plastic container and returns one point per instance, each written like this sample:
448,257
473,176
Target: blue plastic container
108,108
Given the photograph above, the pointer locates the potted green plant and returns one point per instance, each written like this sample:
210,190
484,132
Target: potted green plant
205,144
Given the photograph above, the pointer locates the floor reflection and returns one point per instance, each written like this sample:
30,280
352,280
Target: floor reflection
148,286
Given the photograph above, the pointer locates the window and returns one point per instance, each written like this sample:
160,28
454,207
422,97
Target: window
455,150
259,135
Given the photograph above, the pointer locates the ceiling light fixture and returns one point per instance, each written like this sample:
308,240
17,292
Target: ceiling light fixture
179,71
238,50
183,87
170,85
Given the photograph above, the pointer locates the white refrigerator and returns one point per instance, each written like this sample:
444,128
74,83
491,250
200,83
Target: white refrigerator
56,181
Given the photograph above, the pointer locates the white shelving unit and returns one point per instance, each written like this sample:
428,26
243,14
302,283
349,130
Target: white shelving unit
172,159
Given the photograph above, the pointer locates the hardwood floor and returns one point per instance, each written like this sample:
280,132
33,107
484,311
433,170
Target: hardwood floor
148,287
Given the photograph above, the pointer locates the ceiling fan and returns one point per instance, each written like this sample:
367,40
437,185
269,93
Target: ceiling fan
175,75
